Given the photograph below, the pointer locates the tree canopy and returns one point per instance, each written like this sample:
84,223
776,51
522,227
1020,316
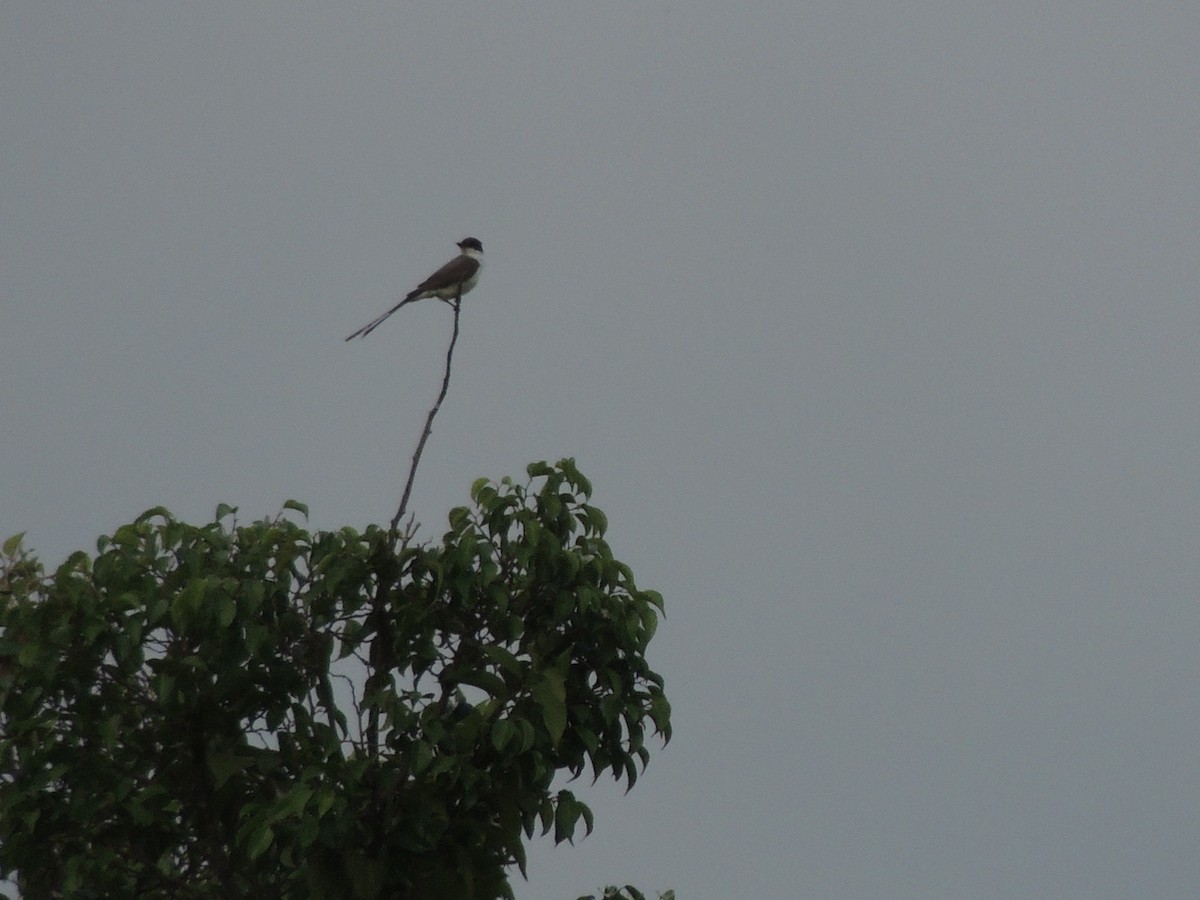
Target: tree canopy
255,710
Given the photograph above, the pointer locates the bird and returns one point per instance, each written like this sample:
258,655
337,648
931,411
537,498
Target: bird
448,283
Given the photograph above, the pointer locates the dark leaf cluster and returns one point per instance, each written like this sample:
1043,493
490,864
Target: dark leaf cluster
232,710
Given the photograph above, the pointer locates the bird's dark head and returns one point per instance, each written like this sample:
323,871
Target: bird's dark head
470,244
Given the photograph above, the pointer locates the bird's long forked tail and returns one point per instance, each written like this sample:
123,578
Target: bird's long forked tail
378,320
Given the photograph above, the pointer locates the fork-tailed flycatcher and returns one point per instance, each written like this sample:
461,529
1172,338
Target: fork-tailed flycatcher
449,282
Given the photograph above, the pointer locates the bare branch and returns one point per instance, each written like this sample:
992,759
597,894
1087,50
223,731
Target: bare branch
412,472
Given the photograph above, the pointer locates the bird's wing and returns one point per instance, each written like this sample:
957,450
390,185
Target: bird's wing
454,272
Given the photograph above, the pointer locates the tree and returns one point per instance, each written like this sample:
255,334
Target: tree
233,711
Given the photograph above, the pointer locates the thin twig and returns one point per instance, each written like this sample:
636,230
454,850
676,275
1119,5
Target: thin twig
412,472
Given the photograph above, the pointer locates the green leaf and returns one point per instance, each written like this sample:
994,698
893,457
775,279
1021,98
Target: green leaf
503,658
292,803
295,505
654,598
325,800
157,512
226,611
483,493
422,757
127,536
12,544
588,819
485,681
565,816
459,517
259,841
187,603
503,731
660,714
550,694
224,765
164,688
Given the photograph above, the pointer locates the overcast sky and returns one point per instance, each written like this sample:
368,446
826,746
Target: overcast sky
875,326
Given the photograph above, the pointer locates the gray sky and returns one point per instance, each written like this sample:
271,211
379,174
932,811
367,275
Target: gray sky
874,325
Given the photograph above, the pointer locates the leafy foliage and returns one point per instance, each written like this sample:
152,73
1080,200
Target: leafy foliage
234,710
627,893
